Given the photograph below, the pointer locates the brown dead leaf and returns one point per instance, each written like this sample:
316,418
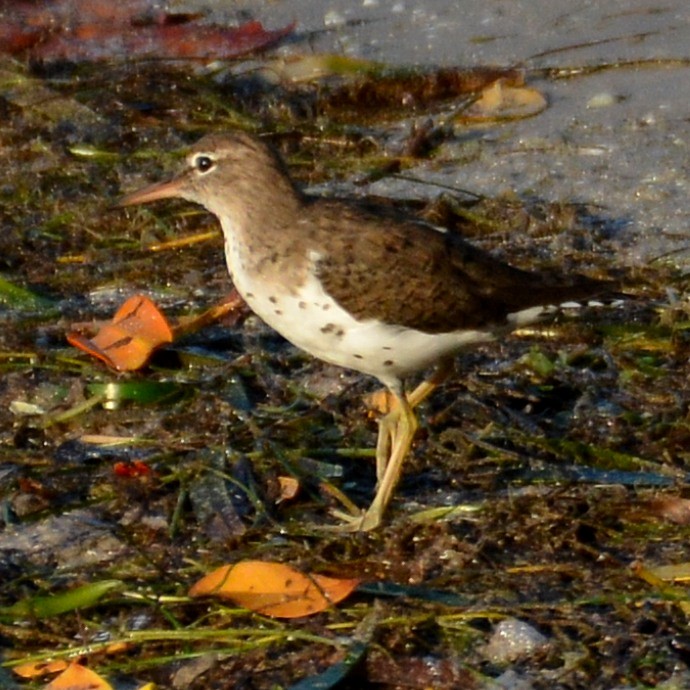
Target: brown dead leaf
289,488
411,88
671,508
502,101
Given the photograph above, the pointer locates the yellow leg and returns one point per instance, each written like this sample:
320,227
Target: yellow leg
402,436
402,440
396,433
389,423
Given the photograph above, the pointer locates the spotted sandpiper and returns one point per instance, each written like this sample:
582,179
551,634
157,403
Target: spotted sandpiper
373,290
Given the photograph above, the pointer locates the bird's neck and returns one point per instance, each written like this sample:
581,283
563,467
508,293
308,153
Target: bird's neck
261,230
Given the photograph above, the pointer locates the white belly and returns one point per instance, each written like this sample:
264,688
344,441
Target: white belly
314,322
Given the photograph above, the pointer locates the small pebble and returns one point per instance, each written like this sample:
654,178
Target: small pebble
333,18
602,100
510,680
512,640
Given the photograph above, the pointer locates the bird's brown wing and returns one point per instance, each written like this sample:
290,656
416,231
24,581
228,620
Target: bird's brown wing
404,272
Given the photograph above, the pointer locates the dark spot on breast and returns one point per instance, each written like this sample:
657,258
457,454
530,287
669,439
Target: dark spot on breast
278,312
333,329
250,295
388,363
302,305
273,300
385,347
326,307
358,356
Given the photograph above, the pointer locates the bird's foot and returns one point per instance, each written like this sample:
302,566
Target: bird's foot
361,521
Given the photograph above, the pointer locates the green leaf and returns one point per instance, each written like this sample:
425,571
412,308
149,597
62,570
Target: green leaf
140,392
16,297
55,604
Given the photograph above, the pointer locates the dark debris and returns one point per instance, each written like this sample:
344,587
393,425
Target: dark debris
529,537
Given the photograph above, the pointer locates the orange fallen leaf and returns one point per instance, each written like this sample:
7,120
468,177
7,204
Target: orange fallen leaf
274,589
126,344
77,677
139,327
118,648
39,668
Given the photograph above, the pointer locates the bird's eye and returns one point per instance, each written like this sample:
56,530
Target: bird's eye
203,163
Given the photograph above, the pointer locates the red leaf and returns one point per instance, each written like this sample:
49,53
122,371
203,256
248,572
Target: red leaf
133,469
98,30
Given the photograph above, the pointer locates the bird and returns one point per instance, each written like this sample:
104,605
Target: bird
373,289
